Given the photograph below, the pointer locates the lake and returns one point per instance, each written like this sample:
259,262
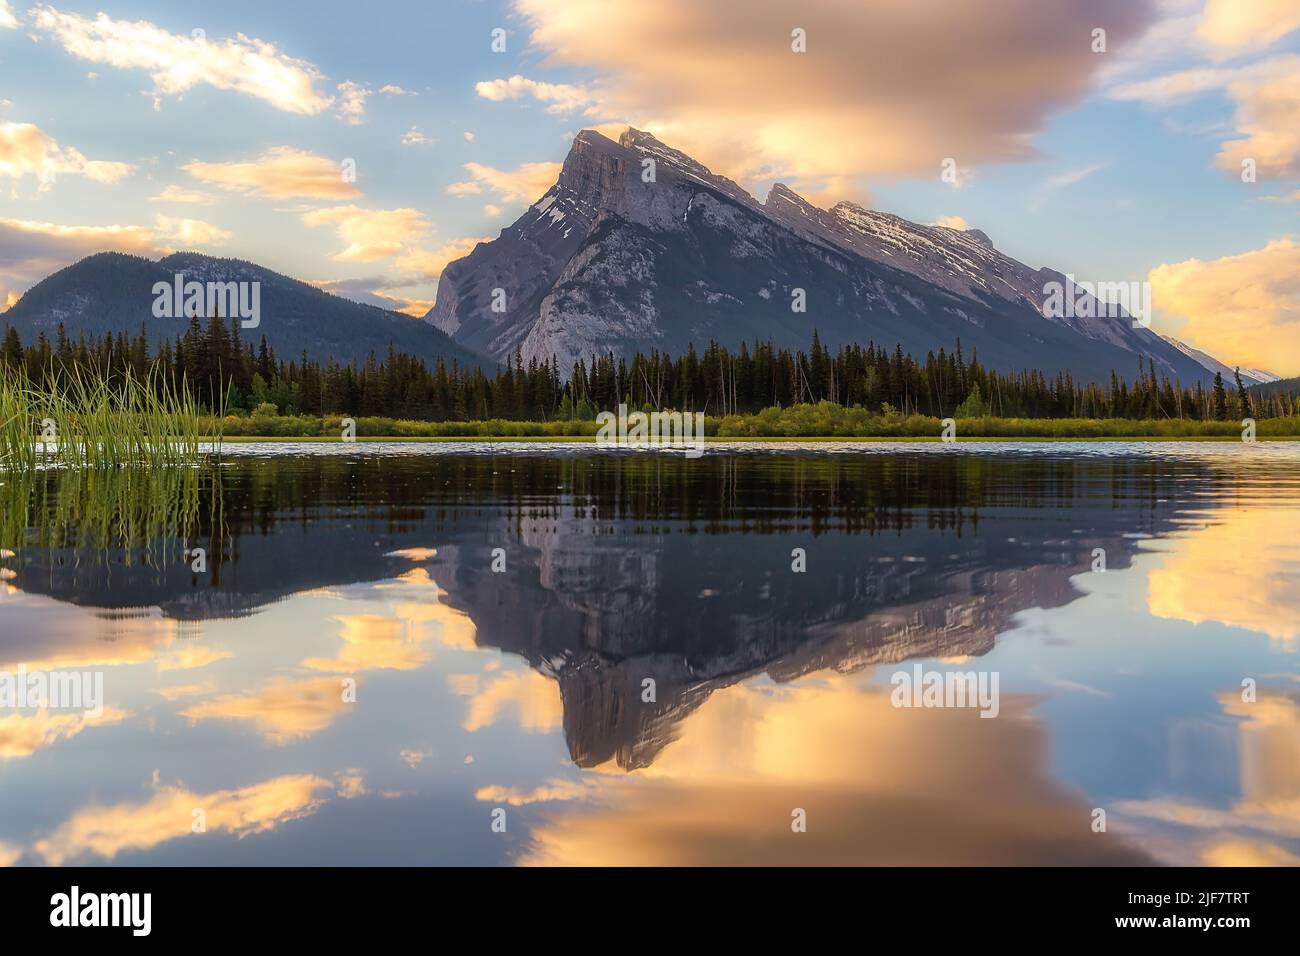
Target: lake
541,654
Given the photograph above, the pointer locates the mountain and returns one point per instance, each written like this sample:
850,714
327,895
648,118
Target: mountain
113,292
1276,386
605,261
1250,376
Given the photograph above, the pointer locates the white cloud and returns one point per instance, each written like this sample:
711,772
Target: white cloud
7,19
562,97
413,137
392,89
178,63
174,193
26,150
352,102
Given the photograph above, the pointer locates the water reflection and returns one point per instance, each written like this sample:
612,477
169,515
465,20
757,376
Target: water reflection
769,686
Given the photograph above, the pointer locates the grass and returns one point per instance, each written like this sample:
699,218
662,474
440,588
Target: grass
824,422
85,421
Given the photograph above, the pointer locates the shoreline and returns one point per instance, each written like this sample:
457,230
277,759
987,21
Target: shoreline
712,439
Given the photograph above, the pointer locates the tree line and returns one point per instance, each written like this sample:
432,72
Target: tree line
225,372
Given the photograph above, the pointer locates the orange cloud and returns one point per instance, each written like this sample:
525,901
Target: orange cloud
282,172
1245,309
720,80
283,711
106,831
25,150
22,735
370,233
523,185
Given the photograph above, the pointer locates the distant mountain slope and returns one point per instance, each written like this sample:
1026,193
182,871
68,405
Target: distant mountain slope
1279,386
605,261
112,292
1250,376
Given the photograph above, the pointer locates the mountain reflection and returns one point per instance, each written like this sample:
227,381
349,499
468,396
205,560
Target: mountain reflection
619,570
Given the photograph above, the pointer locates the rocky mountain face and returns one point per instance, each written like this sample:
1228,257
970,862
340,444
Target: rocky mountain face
113,292
607,261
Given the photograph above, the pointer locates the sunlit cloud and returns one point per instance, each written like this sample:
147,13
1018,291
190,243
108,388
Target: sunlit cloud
687,72
107,831
524,185
7,19
352,102
26,150
283,711
879,785
188,233
282,172
952,222
1267,99
1231,26
427,264
552,791
176,194
533,701
371,234
1254,829
1243,309
177,63
559,97
21,735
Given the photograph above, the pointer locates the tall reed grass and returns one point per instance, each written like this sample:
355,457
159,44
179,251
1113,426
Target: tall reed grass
84,420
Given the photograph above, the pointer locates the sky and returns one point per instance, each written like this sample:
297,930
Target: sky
1165,148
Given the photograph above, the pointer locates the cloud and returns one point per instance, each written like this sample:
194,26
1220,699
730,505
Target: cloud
523,185
371,234
719,80
26,150
176,194
1230,26
562,97
281,712
413,137
352,102
1241,569
178,63
392,89
7,19
469,137
106,831
188,233
1266,96
532,700
429,263
952,222
282,172
23,735
30,250
1243,309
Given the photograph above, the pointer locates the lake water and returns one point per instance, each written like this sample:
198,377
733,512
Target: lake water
521,654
